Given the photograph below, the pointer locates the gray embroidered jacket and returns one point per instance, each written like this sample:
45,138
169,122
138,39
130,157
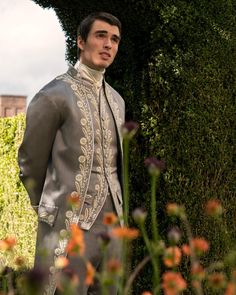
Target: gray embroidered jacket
57,156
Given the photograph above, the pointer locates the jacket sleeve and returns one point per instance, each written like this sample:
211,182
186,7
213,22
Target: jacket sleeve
42,122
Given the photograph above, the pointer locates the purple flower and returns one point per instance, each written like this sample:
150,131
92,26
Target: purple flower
104,237
154,165
129,129
174,235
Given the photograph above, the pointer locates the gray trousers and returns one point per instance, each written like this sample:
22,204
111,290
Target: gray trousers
94,255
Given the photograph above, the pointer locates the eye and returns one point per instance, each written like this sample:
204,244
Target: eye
115,40
101,35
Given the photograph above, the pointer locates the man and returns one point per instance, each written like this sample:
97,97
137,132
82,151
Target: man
73,147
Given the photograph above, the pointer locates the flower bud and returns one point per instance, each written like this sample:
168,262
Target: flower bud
129,129
174,235
139,215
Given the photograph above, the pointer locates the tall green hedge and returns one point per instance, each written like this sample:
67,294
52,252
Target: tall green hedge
16,216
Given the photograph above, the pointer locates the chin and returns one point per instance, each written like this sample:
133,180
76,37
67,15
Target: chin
103,65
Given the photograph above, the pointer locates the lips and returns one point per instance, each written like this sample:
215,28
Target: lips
105,55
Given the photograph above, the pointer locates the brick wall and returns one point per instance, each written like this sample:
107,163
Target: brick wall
11,105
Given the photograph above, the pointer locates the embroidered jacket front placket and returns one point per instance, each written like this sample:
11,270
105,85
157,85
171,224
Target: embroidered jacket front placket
104,160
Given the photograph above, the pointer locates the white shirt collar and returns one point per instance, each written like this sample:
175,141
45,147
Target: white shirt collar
94,76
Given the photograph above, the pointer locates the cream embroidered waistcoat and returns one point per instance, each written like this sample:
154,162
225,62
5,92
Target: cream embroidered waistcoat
104,178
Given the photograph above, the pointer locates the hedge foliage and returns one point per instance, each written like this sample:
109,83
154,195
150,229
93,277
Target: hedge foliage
16,216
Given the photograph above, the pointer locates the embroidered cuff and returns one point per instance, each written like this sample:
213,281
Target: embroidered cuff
47,213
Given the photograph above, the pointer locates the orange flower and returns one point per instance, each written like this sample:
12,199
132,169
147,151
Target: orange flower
76,244
109,218
199,245
74,199
90,274
172,256
231,289
198,274
114,265
174,209
125,233
61,262
7,244
214,208
197,271
185,249
146,293
173,283
217,280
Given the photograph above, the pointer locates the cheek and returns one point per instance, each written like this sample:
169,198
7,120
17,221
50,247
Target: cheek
115,52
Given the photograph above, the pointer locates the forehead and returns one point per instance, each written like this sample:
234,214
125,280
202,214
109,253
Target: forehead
100,25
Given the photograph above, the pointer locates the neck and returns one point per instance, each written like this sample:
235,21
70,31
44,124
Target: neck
93,75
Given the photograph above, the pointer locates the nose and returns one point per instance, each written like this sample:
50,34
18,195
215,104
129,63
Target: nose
107,43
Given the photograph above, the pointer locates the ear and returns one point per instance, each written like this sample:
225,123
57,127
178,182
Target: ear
80,43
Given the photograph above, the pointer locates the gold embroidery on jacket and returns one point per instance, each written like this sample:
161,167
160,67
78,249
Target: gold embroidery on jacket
85,160
103,138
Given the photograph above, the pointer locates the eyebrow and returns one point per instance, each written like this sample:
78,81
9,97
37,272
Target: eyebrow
104,31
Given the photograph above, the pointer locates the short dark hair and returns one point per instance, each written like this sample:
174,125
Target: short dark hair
86,24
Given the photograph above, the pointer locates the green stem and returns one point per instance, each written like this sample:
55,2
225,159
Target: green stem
153,208
134,274
193,256
126,180
104,290
125,267
154,259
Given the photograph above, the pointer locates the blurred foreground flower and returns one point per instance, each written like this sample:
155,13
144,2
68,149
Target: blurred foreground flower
197,272
129,129
214,208
175,210
67,281
174,235
146,293
76,244
125,233
7,244
172,256
198,245
61,262
231,289
173,283
110,218
89,274
74,200
104,238
217,280
139,215
155,166
114,266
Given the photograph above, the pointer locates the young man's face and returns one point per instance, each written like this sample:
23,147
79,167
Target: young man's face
101,46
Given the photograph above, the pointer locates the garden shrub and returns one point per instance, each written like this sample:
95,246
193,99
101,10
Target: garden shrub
16,215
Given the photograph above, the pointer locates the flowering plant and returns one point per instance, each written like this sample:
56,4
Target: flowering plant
165,257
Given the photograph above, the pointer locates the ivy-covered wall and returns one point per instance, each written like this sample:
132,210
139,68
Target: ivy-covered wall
16,215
